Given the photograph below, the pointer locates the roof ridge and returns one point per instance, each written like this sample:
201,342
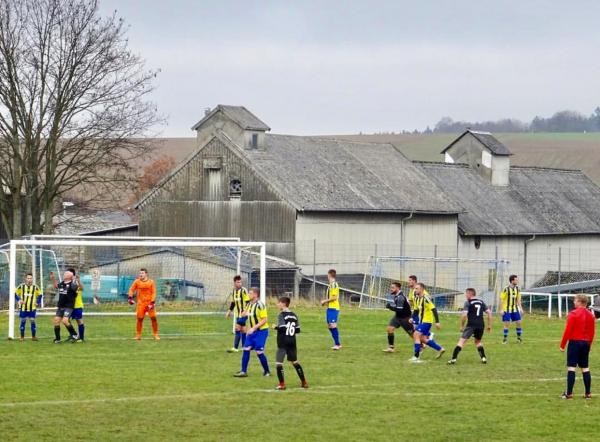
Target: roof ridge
555,169
333,138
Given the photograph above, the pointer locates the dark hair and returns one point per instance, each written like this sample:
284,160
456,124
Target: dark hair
420,284
144,269
413,277
511,278
332,272
397,284
285,300
72,270
28,274
237,278
472,291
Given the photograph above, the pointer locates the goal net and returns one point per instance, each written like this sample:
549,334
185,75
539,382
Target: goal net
445,279
194,278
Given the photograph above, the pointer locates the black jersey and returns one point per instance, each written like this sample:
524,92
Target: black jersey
287,327
67,292
400,305
475,309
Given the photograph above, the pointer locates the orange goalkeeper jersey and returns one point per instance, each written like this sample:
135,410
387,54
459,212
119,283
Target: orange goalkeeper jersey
146,290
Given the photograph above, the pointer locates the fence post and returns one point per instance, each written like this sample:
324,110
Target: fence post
435,255
314,284
559,280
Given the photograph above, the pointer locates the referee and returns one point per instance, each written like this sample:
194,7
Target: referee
579,332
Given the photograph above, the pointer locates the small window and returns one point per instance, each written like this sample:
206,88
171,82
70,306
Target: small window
477,241
254,141
235,188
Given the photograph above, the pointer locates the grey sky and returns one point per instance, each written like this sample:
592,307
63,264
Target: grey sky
332,67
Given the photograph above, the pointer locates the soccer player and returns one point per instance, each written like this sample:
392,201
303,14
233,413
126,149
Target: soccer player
67,292
257,334
146,303
579,333
78,310
402,318
427,314
29,298
333,308
238,305
412,283
287,327
473,314
511,307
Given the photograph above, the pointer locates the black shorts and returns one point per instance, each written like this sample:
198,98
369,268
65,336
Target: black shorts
404,323
578,354
64,312
476,332
289,350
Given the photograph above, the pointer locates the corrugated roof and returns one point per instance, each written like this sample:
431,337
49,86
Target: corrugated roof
323,174
486,139
239,114
537,200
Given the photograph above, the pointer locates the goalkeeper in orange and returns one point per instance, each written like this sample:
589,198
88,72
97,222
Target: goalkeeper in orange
146,298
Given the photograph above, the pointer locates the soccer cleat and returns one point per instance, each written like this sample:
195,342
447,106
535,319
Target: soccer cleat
587,396
519,340
305,385
440,353
414,360
336,347
34,338
79,341
484,360
389,350
72,339
22,338
232,350
56,341
240,374
280,387
452,362
267,374
138,337
156,338
566,396
505,341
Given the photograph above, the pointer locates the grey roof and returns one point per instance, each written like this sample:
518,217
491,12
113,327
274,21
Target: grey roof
73,223
239,114
537,200
487,140
324,174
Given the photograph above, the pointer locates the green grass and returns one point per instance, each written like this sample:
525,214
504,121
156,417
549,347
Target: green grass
112,388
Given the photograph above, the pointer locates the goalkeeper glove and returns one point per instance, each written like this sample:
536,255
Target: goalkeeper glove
130,300
151,306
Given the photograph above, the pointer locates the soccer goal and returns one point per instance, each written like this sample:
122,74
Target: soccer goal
445,279
193,277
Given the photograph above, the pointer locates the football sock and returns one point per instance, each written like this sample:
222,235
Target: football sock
57,332
245,360
236,340
33,329
263,361
71,330
300,372
138,326
335,334
456,351
519,331
417,350
391,339
505,333
434,345
481,351
570,382
154,325
243,334
280,374
22,327
587,382
81,328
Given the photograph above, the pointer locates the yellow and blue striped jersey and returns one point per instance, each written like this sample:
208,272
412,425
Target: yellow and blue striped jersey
510,297
412,298
333,293
30,295
240,300
425,306
79,298
257,311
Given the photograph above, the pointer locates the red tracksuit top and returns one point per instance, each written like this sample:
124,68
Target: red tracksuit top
581,326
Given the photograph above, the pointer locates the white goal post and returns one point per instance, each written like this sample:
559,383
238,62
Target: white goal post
151,247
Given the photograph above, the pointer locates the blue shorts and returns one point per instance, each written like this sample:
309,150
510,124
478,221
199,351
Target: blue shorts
415,318
30,314
578,354
241,321
257,340
514,316
424,328
77,313
332,315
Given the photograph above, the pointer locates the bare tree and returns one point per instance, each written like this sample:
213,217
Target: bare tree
73,108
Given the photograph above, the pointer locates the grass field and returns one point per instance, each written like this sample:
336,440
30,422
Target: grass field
114,388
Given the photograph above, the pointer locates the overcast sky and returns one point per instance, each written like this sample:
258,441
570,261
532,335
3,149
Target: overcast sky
334,67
